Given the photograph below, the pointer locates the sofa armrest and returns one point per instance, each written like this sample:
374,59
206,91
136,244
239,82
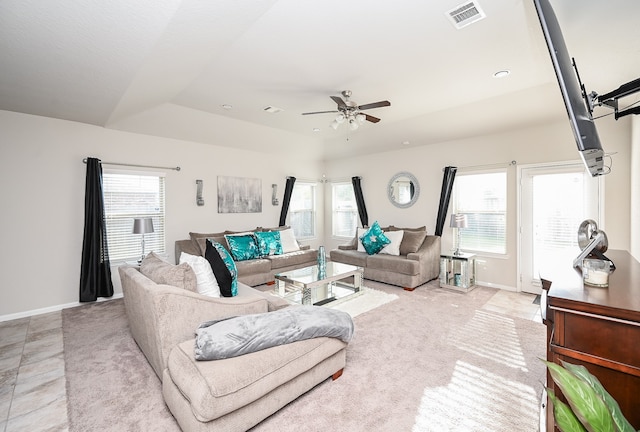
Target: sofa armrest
305,247
347,247
430,248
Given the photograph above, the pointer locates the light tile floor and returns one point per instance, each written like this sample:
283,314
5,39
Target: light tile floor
32,383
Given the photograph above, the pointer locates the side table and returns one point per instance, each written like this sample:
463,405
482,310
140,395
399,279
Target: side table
458,272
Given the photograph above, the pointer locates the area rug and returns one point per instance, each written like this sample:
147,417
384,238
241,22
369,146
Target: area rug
432,360
363,301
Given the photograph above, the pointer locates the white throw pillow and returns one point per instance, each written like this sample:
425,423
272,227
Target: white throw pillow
393,248
361,232
206,281
288,240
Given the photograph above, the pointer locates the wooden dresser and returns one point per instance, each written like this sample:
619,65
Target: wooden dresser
596,327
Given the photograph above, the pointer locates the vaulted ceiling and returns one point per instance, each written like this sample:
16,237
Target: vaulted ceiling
169,67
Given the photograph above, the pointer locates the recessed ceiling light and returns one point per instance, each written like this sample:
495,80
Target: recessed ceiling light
502,73
226,106
316,129
405,143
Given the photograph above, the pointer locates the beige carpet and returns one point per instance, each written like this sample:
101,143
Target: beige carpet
432,360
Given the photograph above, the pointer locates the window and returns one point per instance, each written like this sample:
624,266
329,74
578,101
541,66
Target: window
345,210
483,198
302,210
128,196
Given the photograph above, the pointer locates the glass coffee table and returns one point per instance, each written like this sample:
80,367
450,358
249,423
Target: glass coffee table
309,286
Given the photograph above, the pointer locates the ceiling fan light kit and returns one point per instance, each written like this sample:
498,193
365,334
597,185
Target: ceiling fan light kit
350,111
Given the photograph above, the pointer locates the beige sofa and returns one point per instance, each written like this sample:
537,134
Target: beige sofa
232,394
256,271
418,264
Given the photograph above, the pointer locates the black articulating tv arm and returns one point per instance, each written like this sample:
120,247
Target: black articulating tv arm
611,99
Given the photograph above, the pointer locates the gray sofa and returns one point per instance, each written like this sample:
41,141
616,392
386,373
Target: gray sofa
418,262
232,394
256,271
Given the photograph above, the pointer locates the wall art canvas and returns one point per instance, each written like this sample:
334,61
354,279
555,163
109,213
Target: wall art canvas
239,195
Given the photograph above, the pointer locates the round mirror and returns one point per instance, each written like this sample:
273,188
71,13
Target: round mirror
403,190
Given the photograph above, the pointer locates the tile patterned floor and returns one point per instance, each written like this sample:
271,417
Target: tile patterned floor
33,393
32,383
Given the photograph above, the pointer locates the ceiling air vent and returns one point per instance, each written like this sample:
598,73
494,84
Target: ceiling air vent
465,14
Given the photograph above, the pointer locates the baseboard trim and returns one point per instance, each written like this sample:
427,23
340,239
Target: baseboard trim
50,309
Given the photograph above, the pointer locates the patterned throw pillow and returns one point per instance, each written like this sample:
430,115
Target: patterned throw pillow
374,239
224,269
243,247
268,242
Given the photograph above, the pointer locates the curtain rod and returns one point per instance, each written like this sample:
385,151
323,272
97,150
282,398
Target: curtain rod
135,165
495,165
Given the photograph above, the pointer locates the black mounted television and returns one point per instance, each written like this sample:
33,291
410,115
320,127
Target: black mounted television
584,129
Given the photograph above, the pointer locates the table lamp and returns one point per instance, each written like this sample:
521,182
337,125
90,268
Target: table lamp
458,221
142,226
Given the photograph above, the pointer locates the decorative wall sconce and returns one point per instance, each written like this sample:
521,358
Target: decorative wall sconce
274,194
199,200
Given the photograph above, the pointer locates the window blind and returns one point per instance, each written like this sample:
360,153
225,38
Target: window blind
483,198
345,210
302,211
129,196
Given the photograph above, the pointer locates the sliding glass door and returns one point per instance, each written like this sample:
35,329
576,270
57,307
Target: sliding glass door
554,200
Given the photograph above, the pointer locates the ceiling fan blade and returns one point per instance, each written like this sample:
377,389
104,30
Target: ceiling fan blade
319,112
375,105
370,118
339,101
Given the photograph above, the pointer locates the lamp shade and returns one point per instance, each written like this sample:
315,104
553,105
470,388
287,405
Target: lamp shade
458,220
142,226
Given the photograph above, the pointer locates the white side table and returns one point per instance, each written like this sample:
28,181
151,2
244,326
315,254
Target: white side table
458,272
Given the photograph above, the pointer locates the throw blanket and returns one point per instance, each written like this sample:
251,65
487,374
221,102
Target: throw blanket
240,335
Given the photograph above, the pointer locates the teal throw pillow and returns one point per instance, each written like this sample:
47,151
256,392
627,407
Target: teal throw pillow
374,239
224,269
243,247
268,243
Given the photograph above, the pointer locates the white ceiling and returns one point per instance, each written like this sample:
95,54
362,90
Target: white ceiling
166,67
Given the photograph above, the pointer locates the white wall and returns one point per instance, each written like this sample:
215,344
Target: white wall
42,187
545,143
635,188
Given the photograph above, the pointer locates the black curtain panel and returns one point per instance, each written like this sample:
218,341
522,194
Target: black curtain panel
362,208
288,190
95,272
445,196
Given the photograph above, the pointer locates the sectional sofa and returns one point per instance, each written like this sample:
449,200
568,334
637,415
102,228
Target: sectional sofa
251,272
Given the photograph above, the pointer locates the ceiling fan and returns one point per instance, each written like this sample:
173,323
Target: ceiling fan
351,112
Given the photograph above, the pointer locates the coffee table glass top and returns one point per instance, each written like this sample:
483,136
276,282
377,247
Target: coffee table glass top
309,286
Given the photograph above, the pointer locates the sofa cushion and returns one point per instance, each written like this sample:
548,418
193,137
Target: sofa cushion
288,240
355,258
243,246
394,228
215,388
254,266
393,248
223,268
268,242
293,258
393,264
206,280
162,272
374,240
411,241
202,242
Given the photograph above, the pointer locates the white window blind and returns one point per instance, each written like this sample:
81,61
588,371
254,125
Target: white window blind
128,196
483,198
345,210
302,210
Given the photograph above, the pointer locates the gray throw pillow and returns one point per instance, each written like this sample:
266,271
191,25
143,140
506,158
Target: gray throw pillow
162,272
411,241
